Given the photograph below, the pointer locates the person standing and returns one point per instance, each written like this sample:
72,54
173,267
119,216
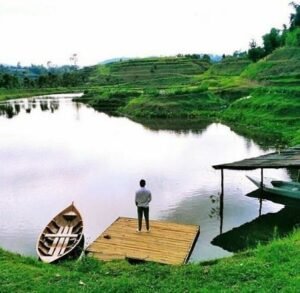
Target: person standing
142,200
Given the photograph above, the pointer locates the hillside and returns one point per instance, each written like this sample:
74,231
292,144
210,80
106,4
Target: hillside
272,108
282,67
149,72
230,66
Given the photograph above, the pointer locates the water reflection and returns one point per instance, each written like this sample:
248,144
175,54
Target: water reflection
294,174
7,110
266,196
177,125
28,109
263,228
215,211
44,105
17,108
11,109
263,139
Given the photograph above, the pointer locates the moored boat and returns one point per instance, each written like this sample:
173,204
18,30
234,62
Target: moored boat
62,237
279,187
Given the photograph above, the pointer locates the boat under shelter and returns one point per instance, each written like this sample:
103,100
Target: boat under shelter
287,158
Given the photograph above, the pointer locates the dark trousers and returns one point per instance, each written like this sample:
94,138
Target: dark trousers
141,211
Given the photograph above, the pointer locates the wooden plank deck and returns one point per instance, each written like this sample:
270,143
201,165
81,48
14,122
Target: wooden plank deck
167,243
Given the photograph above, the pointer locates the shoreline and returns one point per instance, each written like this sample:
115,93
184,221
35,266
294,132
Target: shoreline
270,267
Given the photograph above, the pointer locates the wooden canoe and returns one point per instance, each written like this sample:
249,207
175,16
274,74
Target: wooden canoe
62,237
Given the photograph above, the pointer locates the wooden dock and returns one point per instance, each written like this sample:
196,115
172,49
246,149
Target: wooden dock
167,243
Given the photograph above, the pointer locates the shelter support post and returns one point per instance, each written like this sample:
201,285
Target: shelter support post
261,190
222,181
260,204
222,201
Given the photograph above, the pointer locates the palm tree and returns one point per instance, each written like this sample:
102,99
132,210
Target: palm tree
74,59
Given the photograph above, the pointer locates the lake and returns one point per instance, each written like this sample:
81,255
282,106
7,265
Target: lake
54,151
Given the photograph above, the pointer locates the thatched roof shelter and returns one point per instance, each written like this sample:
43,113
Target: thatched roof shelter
288,158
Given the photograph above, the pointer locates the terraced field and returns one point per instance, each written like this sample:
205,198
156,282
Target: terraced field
150,72
282,67
229,67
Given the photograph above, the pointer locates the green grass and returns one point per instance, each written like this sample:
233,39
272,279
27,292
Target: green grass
271,268
282,63
285,53
176,102
270,112
180,104
229,67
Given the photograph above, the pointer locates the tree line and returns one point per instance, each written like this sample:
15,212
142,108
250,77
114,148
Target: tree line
38,76
288,36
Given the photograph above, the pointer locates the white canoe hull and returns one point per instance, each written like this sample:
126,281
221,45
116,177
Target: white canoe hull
62,237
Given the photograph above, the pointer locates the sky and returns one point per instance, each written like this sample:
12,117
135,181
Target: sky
38,31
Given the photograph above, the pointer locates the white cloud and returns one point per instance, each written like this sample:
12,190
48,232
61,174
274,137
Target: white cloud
35,31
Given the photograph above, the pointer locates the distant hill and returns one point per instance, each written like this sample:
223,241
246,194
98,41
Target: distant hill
113,60
213,58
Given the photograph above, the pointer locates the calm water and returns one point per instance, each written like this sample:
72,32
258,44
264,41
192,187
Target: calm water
54,151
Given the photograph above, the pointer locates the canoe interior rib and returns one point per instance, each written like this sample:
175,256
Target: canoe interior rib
61,236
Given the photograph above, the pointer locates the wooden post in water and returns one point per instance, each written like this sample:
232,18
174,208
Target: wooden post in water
261,190
222,201
298,179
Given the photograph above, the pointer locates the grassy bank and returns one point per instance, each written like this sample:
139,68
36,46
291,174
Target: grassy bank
273,112
269,268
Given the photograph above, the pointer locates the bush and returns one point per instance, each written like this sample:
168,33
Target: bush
293,38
